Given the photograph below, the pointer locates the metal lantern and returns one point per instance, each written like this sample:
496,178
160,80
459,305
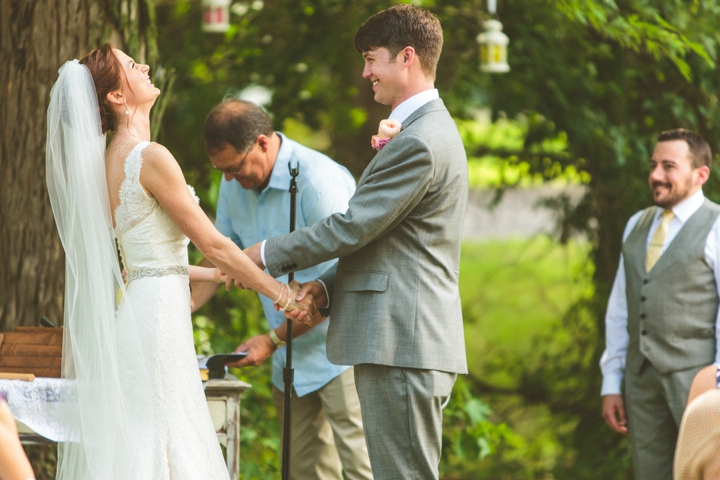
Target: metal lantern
493,48
216,15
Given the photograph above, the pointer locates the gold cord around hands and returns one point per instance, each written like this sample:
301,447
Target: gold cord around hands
293,305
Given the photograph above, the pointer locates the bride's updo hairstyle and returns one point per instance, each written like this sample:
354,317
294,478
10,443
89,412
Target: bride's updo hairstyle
106,72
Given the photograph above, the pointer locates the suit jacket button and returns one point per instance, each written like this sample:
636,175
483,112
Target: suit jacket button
642,299
644,332
646,281
642,315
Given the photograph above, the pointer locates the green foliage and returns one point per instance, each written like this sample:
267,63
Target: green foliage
281,45
468,434
640,29
513,291
501,154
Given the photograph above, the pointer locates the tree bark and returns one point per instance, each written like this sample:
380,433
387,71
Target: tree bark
36,38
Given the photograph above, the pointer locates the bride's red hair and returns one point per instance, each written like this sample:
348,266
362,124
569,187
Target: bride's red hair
106,72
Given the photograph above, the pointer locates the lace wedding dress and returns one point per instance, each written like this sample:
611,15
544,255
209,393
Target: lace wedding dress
183,444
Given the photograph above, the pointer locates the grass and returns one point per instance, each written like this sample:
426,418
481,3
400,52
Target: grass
514,289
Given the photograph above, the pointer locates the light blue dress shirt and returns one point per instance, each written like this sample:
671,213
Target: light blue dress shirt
249,216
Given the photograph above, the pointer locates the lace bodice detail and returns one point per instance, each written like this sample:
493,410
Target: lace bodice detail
134,205
147,237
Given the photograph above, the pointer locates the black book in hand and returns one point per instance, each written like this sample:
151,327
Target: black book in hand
213,367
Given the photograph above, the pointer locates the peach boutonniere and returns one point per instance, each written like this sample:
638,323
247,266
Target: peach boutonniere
386,131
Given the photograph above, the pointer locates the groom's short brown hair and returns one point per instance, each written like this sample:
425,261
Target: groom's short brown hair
404,26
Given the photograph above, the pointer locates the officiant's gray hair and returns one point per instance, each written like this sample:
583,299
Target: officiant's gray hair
235,122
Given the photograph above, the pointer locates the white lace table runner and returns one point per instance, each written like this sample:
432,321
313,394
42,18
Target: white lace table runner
36,404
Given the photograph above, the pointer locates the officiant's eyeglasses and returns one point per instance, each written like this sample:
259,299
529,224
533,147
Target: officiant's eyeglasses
234,171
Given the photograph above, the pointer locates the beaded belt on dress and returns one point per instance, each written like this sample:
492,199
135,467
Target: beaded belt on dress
158,272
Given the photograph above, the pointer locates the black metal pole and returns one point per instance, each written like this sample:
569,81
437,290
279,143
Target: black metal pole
288,372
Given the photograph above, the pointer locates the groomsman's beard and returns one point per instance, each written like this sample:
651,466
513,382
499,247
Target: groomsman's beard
673,194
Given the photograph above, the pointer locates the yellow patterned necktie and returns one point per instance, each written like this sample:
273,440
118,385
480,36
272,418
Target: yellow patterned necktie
658,240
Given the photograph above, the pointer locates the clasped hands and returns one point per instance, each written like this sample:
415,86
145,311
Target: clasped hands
295,299
300,306
302,310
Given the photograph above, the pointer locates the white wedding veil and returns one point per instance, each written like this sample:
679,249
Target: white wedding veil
106,409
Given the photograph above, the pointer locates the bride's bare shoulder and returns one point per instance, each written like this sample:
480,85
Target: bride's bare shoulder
157,156
160,169
155,148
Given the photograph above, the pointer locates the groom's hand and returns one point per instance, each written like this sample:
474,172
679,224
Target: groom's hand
254,254
293,305
310,293
258,349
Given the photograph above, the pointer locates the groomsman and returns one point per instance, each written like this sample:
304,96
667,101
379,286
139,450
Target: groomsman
662,316
254,202
396,313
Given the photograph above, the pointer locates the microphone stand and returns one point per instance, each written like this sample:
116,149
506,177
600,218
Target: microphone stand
288,372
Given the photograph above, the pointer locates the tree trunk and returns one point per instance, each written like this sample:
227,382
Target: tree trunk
36,38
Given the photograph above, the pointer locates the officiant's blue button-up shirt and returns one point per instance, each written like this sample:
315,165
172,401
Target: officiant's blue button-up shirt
249,216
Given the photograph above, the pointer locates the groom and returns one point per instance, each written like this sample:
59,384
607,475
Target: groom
394,292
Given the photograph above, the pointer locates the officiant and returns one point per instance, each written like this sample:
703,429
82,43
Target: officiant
254,204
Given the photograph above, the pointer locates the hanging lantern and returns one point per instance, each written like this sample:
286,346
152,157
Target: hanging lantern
216,15
493,48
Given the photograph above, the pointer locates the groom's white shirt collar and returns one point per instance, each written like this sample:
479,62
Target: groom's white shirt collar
406,108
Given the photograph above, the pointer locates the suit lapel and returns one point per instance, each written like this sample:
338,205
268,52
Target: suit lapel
431,106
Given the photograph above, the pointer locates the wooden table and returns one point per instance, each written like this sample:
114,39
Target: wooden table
223,399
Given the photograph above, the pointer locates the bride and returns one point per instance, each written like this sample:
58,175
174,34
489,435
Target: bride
134,407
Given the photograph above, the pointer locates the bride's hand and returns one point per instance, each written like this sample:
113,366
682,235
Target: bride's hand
221,277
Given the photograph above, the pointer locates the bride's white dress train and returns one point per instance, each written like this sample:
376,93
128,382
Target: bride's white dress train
183,445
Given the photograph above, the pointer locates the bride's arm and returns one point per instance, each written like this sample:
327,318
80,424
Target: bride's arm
162,177
207,274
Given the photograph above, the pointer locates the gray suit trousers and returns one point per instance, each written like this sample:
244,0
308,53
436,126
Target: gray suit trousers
654,403
402,413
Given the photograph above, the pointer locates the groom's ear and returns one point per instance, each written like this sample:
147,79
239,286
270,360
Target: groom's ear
408,55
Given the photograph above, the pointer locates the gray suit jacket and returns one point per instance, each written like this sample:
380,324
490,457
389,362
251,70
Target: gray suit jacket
394,292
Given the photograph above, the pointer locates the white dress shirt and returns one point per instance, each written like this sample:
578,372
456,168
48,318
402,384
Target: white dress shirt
406,108
612,362
400,113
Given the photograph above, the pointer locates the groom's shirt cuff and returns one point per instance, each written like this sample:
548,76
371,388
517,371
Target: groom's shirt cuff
327,295
262,253
324,311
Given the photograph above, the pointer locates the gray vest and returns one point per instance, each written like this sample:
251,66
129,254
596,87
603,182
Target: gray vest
671,309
